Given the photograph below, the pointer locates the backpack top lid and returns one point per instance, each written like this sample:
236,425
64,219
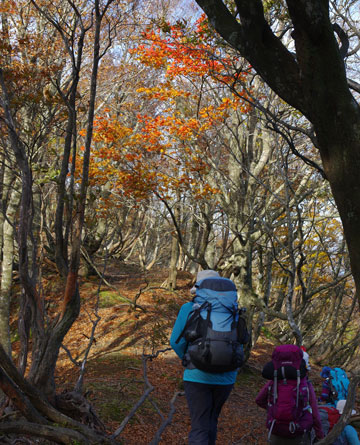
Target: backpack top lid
217,284
325,372
288,372
220,292
287,355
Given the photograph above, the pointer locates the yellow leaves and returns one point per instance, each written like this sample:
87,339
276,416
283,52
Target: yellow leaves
212,115
109,131
158,157
201,191
162,93
131,157
185,130
8,7
161,151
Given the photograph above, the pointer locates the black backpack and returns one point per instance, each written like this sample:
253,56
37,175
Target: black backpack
216,329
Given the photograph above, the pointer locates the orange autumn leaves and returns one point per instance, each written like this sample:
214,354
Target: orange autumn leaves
138,163
189,53
163,152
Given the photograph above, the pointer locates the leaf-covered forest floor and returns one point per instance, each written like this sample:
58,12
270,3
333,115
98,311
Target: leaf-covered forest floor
114,381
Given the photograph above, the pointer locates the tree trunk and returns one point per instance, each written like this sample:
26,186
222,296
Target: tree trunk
2,195
171,281
315,83
7,268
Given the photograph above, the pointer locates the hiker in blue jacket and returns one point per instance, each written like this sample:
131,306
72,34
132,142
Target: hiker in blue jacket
205,392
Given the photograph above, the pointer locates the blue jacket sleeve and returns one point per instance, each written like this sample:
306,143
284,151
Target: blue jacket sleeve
351,435
180,347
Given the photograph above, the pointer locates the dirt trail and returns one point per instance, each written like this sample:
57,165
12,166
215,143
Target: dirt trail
114,376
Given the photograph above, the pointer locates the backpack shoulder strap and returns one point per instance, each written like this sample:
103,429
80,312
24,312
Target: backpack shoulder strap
193,314
242,330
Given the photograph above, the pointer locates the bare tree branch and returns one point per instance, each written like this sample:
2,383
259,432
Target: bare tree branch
168,420
148,389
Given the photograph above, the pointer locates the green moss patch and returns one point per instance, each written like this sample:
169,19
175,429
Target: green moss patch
110,298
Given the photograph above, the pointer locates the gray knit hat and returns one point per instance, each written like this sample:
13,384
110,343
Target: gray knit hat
208,273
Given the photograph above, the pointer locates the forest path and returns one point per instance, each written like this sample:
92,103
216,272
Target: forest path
114,379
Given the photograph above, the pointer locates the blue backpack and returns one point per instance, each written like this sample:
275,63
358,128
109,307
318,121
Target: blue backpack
215,329
338,383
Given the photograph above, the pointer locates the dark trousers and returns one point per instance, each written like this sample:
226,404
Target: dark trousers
205,403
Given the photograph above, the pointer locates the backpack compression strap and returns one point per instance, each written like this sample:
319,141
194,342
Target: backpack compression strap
292,426
208,321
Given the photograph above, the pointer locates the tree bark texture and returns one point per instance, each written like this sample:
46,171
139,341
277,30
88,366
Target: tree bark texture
314,82
8,259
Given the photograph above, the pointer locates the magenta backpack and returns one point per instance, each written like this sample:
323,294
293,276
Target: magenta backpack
289,413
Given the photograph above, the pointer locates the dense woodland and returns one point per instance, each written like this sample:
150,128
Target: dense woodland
134,137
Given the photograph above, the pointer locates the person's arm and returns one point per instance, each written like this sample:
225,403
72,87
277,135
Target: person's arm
315,412
262,397
180,347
